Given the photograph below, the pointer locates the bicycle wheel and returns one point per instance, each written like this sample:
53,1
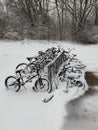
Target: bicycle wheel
79,84
42,85
12,83
61,76
80,66
24,67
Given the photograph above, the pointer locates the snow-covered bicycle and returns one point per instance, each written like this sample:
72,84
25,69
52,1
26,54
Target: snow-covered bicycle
16,82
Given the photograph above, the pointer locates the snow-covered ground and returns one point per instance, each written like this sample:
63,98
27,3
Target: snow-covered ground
25,110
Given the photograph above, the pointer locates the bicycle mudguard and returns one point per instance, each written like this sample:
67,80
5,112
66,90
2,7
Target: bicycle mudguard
48,99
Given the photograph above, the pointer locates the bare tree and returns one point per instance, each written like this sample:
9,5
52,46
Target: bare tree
29,9
61,15
81,11
76,12
96,12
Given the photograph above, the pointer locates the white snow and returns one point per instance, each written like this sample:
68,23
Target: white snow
25,110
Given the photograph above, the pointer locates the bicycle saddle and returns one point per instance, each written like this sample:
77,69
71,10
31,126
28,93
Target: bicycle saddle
29,58
19,71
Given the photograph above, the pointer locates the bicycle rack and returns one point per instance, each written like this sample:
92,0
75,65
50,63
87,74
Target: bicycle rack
53,67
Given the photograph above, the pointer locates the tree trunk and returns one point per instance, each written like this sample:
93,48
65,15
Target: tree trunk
96,17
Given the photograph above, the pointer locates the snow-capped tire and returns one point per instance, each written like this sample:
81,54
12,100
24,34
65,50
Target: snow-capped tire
79,84
45,87
80,66
25,67
21,66
12,83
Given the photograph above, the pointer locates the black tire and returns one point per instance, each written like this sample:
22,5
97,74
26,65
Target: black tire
61,76
81,66
45,87
79,84
12,83
21,66
24,67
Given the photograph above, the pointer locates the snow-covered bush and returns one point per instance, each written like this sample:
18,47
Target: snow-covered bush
88,35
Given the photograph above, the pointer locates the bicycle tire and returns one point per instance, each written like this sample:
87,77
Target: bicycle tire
12,85
61,76
24,67
79,84
80,66
38,88
21,66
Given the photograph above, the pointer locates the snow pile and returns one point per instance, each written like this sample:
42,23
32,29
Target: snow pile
25,110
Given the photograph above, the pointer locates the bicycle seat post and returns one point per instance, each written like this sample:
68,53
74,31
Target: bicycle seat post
19,72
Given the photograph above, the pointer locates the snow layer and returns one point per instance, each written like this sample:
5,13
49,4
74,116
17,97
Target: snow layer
25,110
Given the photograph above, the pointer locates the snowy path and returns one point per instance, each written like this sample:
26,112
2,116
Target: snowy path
25,110
83,112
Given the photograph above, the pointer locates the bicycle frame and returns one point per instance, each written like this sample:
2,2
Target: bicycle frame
29,78
21,80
